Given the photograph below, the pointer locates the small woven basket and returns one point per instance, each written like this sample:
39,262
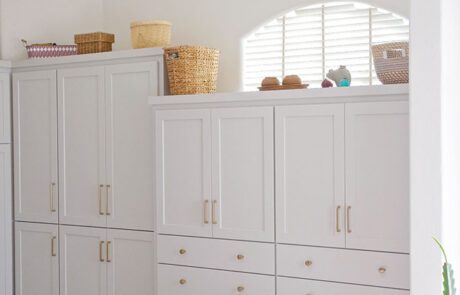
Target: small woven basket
391,61
147,34
94,42
192,69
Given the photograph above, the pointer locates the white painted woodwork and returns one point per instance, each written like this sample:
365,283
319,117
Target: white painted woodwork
211,282
129,136
35,144
183,175
5,108
36,266
290,286
310,175
6,227
218,254
130,264
243,173
348,266
82,167
377,176
81,268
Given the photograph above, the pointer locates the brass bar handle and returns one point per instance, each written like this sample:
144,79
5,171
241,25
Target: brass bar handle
214,207
107,211
52,189
348,219
108,259
337,219
101,211
101,257
53,246
205,218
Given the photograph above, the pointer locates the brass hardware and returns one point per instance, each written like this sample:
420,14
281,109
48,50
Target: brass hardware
382,270
107,254
52,189
107,211
337,219
101,212
308,263
240,289
214,205
240,256
101,258
182,281
53,247
206,203
182,251
348,219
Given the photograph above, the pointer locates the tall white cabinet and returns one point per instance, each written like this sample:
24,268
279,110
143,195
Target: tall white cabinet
84,187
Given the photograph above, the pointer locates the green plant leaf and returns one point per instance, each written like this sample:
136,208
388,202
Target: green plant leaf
447,274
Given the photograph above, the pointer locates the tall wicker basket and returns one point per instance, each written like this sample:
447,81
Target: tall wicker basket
192,69
391,61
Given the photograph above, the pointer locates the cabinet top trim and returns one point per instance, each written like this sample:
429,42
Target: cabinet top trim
86,58
317,95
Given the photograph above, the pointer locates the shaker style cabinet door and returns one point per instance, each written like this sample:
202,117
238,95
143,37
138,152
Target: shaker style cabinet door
37,259
6,259
5,117
35,143
83,266
243,174
129,156
131,262
183,172
377,176
310,193
82,146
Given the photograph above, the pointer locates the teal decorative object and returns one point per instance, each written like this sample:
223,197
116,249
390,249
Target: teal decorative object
342,73
344,83
448,283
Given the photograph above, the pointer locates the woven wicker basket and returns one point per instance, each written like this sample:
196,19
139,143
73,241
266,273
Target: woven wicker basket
391,62
94,42
147,34
192,69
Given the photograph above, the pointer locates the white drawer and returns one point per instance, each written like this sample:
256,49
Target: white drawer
179,280
220,254
288,286
348,266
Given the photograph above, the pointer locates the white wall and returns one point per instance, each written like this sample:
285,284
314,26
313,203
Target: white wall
45,21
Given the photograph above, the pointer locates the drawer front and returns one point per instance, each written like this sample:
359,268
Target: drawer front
220,254
348,266
288,286
179,280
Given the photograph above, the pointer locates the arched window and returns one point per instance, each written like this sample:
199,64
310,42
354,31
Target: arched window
311,40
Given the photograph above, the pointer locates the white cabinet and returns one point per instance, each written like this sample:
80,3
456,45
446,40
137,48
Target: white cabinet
6,251
310,175
101,261
82,146
236,200
5,110
37,259
377,176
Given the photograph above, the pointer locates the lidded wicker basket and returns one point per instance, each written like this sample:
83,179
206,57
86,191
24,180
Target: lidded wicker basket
192,69
94,42
391,61
145,34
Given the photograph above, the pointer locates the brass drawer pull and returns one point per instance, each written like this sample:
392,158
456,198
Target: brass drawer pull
101,212
101,257
348,219
214,207
53,247
52,192
240,289
382,270
182,281
308,263
205,210
337,219
107,207
182,251
108,252
240,256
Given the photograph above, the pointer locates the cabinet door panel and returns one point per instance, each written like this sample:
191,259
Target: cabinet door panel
82,146
377,178
37,264
183,172
132,262
6,264
130,144
35,141
310,175
83,269
5,117
243,177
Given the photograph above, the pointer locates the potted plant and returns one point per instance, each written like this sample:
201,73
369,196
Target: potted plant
447,274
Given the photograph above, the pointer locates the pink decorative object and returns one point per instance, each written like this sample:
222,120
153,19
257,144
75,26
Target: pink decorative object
49,50
327,84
